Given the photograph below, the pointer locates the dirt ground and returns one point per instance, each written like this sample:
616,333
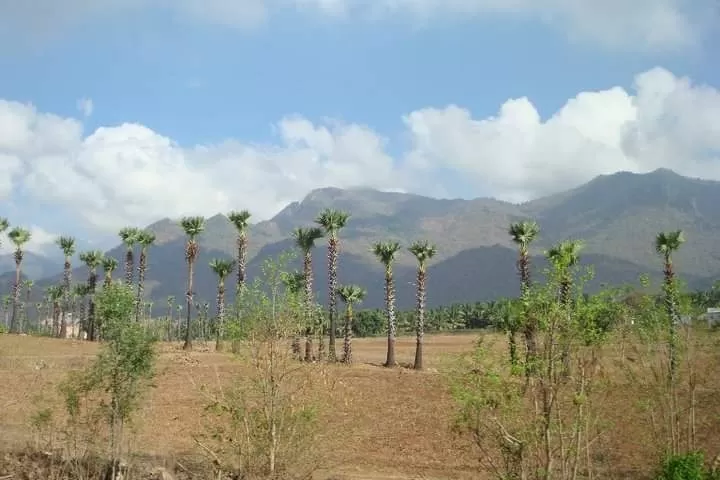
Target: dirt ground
382,424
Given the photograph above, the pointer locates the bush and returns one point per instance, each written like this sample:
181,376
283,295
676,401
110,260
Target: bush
688,466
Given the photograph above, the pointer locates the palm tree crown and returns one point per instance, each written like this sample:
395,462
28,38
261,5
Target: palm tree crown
240,219
332,220
145,238
351,294
222,268
67,245
129,235
667,243
109,264
386,252
193,226
423,251
565,254
92,258
19,237
305,237
523,233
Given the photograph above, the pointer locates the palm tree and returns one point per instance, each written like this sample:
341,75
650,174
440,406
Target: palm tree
80,292
332,221
350,295
129,237
423,252
523,234
305,240
222,269
666,244
67,245
28,285
564,256
92,259
241,221
109,265
4,225
145,239
55,294
193,227
386,253
19,237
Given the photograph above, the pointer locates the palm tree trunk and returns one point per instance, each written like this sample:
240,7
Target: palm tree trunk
347,343
242,244
189,304
671,309
390,308
530,324
129,261
67,276
220,316
420,325
141,283
91,321
332,294
16,293
309,300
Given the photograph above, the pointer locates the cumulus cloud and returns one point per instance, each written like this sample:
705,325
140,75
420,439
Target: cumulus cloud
131,175
637,24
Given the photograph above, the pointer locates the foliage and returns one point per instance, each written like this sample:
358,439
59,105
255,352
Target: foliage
260,423
111,387
688,466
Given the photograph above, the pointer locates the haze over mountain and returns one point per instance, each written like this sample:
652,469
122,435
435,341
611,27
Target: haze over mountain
616,215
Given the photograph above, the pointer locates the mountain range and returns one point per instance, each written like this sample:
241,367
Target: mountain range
616,215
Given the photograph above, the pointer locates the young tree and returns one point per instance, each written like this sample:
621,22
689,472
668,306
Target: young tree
129,237
332,221
386,252
19,237
146,239
241,222
222,268
305,240
193,227
67,245
92,259
423,252
350,295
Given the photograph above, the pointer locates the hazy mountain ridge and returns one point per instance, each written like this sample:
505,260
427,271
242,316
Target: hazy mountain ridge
616,215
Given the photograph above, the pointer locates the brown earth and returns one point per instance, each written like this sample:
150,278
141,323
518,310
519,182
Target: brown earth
381,424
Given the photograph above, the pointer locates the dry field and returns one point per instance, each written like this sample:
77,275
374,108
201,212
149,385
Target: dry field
383,424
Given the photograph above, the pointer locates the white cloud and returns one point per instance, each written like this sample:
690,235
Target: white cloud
637,24
131,175
41,241
85,106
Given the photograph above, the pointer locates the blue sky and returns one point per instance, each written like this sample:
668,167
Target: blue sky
225,80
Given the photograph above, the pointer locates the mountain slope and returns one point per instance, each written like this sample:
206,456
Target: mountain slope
616,215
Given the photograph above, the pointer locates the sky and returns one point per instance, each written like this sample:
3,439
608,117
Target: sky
119,113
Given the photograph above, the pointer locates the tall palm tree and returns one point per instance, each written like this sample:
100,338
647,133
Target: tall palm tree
145,239
92,259
55,294
241,221
305,240
423,252
222,268
193,227
67,245
350,295
563,257
332,221
666,244
80,292
523,234
386,252
19,237
109,265
129,237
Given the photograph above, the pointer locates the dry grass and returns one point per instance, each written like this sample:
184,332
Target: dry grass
383,424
